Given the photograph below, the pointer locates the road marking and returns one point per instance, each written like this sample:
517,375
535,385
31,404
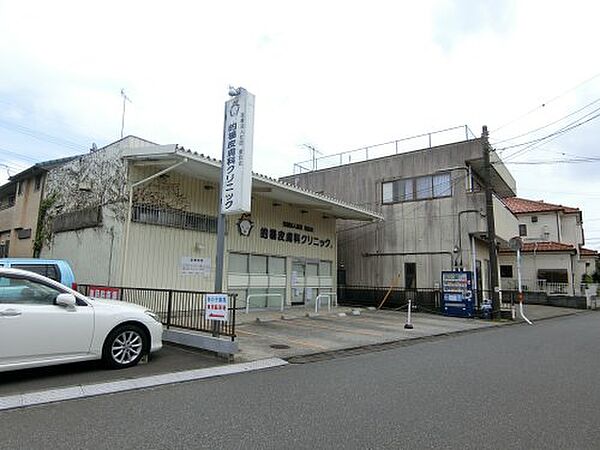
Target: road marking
92,390
286,338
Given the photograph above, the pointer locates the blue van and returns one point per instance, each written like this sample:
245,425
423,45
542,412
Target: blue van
56,269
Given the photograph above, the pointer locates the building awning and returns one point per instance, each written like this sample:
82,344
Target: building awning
209,169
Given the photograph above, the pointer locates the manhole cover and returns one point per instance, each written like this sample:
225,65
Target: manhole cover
279,346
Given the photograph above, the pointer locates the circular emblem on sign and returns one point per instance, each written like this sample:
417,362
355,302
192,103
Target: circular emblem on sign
234,109
245,225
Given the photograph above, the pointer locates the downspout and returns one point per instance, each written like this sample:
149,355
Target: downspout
130,205
474,268
572,276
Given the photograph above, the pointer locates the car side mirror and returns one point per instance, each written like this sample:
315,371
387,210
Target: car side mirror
66,300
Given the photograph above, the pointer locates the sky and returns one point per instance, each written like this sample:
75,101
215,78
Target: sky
332,75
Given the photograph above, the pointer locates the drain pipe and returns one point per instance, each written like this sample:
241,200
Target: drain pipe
130,205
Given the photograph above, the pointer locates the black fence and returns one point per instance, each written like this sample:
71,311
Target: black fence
176,308
396,298
429,300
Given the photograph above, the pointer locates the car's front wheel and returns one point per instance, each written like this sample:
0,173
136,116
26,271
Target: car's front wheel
124,346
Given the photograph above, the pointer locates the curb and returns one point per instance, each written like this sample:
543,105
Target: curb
93,390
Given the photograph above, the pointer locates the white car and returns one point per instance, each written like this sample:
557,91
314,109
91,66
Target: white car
44,323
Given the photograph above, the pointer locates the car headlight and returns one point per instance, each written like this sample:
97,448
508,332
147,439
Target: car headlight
153,315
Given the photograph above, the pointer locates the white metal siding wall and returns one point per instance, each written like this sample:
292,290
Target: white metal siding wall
93,253
155,251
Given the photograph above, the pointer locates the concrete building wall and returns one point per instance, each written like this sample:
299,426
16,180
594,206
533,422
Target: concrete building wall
532,262
377,254
571,229
93,253
547,227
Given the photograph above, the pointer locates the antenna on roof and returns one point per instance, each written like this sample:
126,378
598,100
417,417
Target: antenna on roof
94,148
125,99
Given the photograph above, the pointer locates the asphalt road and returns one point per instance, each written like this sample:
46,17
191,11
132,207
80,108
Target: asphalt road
510,387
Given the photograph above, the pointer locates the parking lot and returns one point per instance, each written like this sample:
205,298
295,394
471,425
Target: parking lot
297,334
170,359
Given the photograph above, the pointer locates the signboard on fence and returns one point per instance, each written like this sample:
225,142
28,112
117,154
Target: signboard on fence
105,292
217,307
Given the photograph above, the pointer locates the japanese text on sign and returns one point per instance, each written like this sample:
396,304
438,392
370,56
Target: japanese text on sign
217,307
236,184
296,238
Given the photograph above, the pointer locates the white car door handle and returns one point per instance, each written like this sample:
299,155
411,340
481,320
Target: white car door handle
10,313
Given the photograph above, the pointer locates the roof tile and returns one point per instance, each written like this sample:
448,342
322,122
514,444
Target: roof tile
523,206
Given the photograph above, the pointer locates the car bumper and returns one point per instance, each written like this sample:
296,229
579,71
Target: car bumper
156,332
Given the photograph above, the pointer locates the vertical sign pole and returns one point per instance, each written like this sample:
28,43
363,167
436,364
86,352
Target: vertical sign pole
221,220
219,262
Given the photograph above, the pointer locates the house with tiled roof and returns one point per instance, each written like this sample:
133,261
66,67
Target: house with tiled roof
20,200
554,259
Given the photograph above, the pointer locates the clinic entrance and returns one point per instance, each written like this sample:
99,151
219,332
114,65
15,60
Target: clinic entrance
309,278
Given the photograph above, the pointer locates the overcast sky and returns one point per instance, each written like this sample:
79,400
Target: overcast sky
334,75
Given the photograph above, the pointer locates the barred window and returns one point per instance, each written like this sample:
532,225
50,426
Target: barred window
155,215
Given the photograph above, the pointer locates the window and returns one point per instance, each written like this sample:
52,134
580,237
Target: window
155,215
4,247
47,270
424,188
553,275
238,263
38,182
325,268
387,195
20,188
258,264
26,292
421,188
534,219
506,271
276,265
441,185
312,269
522,229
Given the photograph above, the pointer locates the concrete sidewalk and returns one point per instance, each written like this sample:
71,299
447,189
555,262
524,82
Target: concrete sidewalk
265,334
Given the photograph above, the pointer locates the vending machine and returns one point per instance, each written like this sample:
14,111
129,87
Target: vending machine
457,294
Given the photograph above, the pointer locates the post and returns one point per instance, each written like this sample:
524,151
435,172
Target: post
474,268
169,308
408,325
491,226
521,288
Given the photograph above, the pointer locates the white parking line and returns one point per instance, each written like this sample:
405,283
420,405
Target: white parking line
92,390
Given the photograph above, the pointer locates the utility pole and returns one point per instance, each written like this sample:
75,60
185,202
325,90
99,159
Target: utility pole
491,226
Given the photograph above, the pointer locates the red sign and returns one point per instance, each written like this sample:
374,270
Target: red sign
105,292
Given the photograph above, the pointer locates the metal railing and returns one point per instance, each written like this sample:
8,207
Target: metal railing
318,302
416,142
539,285
176,308
265,296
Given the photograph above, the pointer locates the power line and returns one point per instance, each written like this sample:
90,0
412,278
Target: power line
531,145
41,136
543,105
548,124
